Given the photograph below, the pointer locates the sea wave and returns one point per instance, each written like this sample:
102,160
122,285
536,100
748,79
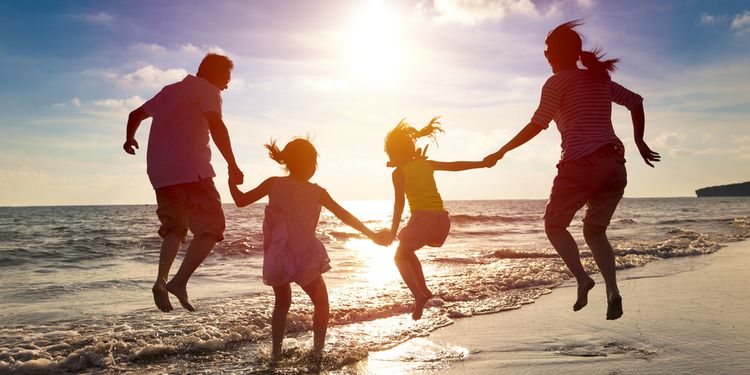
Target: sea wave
484,219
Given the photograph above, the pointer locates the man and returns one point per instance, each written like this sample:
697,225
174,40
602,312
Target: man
179,168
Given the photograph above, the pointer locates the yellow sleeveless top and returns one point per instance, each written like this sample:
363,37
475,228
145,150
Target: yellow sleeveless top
420,187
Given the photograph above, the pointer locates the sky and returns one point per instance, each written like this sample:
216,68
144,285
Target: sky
345,72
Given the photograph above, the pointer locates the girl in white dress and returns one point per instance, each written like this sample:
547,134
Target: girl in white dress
291,252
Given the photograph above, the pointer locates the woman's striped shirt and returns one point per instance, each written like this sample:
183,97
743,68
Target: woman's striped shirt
581,106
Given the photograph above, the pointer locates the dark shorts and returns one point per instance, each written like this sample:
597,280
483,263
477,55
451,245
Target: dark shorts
596,181
425,228
194,205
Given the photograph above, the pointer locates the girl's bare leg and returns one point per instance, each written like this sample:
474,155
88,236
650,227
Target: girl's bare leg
411,271
283,294
319,295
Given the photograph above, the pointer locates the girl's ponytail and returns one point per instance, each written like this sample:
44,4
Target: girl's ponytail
274,152
430,130
593,62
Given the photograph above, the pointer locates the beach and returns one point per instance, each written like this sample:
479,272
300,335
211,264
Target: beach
682,315
75,286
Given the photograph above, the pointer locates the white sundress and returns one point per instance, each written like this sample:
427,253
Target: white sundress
291,251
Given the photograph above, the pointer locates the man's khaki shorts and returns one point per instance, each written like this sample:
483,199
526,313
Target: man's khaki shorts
194,205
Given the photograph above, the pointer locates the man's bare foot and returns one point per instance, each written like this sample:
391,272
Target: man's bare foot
180,292
419,303
614,307
583,293
161,297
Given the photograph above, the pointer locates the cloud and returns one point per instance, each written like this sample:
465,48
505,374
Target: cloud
21,173
98,18
709,19
106,107
472,12
148,48
192,49
741,22
666,139
118,104
151,76
75,102
585,4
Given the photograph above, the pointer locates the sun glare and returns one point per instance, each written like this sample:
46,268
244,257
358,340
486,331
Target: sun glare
379,260
375,44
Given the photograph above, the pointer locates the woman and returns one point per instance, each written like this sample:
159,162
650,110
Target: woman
591,170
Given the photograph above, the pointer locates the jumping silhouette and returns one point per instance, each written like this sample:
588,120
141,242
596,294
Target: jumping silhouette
180,171
429,222
291,252
591,170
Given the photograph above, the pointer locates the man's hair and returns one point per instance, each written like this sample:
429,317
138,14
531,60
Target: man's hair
213,65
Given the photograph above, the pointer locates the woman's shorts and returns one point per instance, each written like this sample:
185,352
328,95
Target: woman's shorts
425,228
597,181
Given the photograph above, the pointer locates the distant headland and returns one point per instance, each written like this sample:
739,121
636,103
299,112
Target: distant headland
741,189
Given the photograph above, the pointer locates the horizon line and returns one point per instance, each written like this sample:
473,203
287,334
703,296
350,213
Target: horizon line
350,200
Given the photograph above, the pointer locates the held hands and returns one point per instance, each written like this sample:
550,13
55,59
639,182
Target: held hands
647,154
129,144
383,237
236,177
491,159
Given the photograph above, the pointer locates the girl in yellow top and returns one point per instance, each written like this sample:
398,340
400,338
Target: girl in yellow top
429,223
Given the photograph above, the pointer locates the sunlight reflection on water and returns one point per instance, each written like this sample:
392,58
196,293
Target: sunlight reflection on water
377,261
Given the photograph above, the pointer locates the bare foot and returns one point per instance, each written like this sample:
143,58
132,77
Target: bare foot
316,360
161,297
275,357
419,303
583,294
614,307
180,292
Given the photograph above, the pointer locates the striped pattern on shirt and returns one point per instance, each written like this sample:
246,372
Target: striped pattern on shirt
581,106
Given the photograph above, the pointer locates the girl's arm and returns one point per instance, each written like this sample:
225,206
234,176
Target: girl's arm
344,215
399,181
243,199
455,166
526,134
639,124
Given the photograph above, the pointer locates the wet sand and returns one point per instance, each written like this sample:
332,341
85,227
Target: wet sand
682,315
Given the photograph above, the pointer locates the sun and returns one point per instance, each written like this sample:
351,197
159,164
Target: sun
375,44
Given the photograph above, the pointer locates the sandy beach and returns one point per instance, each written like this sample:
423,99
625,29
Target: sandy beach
682,315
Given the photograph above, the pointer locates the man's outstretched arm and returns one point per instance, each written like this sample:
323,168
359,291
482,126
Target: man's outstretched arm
220,135
134,121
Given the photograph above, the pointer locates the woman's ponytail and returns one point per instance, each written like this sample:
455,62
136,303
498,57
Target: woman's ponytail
593,62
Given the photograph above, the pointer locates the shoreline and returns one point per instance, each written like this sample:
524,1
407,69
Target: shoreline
682,315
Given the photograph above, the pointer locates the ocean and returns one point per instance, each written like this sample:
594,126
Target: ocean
75,282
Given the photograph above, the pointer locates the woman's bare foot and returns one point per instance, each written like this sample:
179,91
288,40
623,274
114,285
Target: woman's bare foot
161,297
583,293
180,292
614,306
419,303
